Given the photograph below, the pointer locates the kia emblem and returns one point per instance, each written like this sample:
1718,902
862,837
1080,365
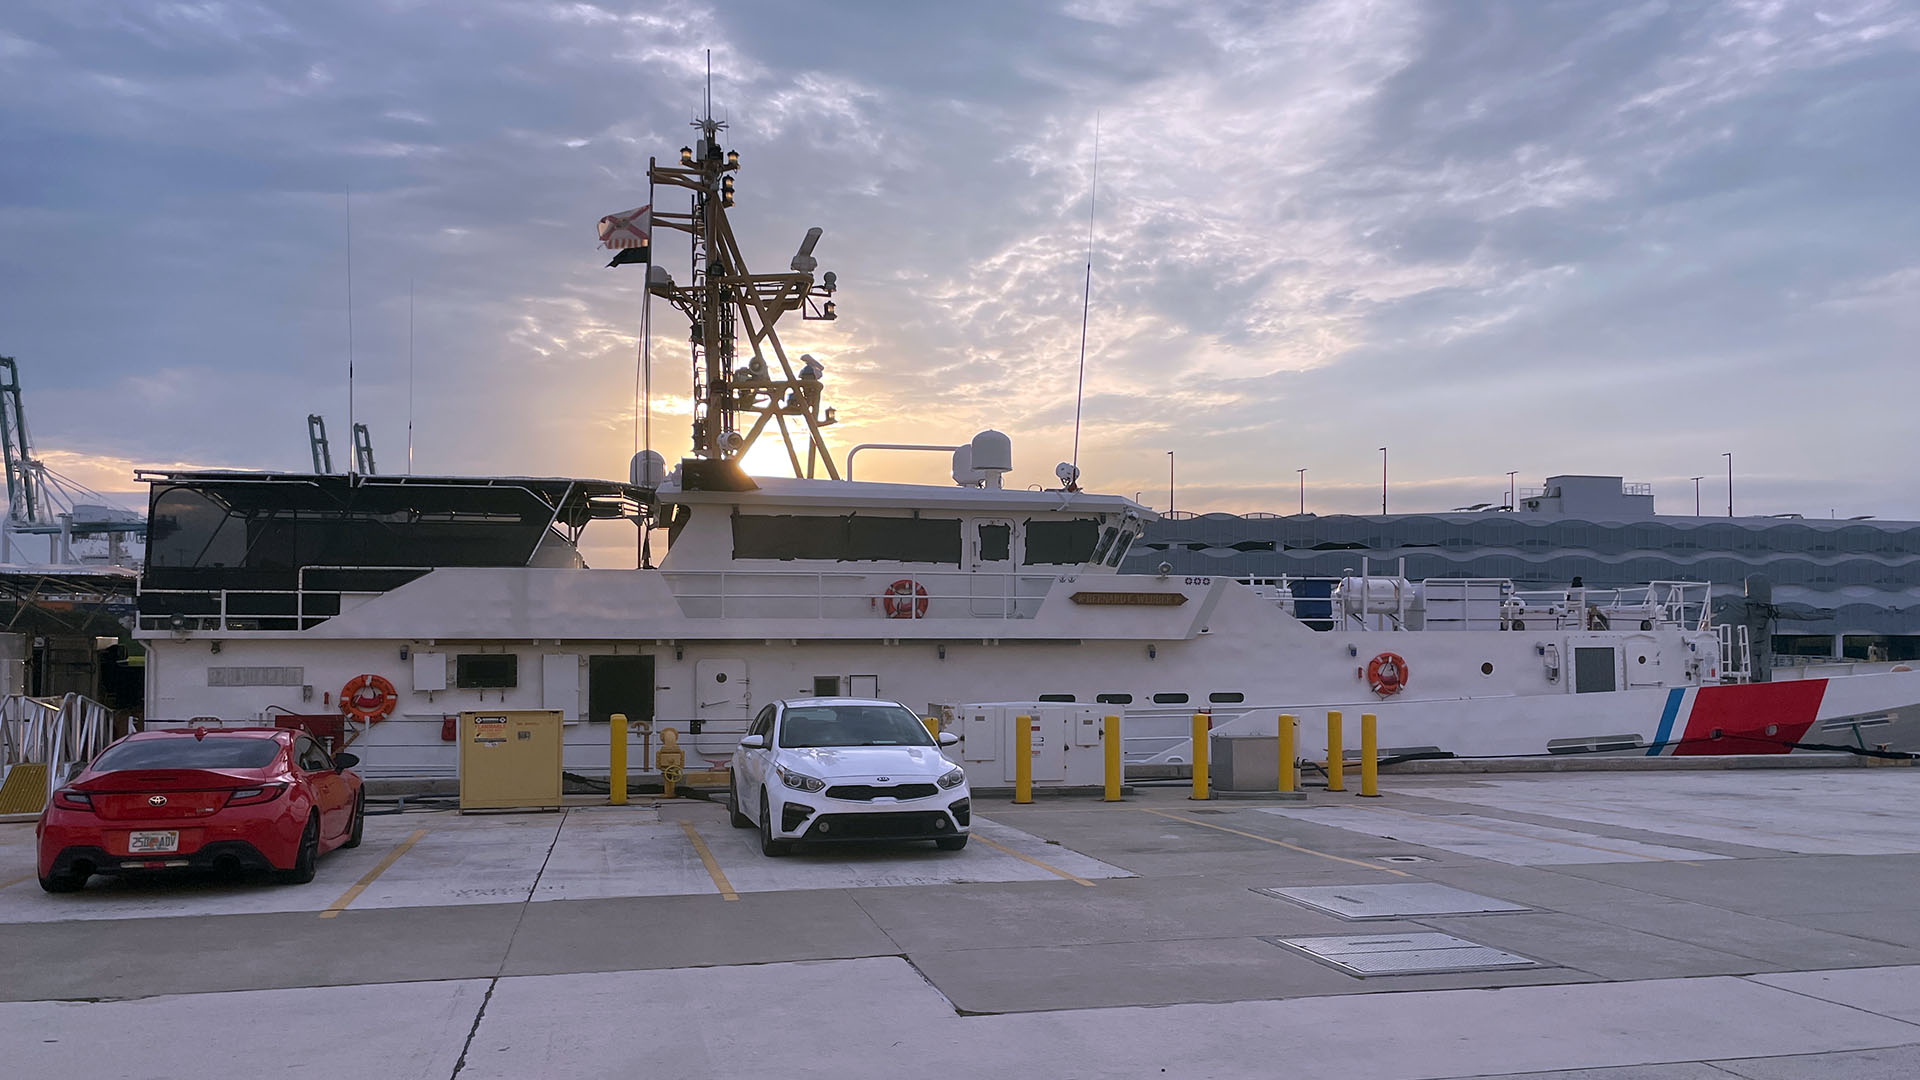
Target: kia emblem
883,779
157,800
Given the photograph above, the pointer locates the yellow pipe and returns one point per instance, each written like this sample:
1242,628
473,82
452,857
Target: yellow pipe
1202,789
1369,757
1023,762
1289,761
617,759
1336,755
1110,734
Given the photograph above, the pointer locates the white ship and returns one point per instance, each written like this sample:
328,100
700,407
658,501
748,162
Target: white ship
387,605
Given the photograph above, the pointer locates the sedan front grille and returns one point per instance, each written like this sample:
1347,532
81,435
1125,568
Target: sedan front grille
870,792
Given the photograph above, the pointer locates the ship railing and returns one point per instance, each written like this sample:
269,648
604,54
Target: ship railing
58,733
301,608
896,594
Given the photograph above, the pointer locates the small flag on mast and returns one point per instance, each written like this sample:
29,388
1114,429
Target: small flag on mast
629,234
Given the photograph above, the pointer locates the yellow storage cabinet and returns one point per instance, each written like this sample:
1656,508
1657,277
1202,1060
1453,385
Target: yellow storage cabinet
510,759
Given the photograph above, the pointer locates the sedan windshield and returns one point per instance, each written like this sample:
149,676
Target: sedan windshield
213,752
852,725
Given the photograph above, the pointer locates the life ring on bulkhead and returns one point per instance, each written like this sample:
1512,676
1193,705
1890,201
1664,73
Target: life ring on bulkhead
368,697
905,599
1387,674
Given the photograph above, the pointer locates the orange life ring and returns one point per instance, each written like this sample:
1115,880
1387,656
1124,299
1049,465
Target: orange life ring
905,599
369,697
1387,674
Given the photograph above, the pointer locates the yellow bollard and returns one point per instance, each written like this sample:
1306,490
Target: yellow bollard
933,726
1023,762
1289,760
1336,755
1369,757
617,759
1110,734
1202,788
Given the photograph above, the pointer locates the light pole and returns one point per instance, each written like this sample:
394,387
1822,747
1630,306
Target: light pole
1696,495
1729,456
1512,503
1169,483
1303,490
1383,481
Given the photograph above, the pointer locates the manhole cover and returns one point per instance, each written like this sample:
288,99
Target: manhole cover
1392,901
1404,954
1404,858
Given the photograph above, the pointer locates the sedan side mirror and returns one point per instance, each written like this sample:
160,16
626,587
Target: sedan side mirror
754,742
342,762
947,738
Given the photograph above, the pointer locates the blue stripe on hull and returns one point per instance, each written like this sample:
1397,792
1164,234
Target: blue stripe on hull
1667,716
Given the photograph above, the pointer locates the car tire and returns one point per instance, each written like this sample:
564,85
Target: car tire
769,847
359,821
734,817
951,843
64,883
306,859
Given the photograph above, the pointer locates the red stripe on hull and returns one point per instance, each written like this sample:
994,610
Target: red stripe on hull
1753,718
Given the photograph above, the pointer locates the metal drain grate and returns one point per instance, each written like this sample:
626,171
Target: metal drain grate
1393,901
1367,955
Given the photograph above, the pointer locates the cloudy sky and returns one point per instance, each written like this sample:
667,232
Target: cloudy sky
1536,236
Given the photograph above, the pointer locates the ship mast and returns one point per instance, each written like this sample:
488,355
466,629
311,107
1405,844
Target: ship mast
742,375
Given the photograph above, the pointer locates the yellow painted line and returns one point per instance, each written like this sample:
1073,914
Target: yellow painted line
16,881
1028,858
1277,843
713,866
366,879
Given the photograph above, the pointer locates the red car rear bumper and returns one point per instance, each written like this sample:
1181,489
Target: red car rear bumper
254,837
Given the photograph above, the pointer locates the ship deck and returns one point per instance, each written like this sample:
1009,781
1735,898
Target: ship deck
1680,926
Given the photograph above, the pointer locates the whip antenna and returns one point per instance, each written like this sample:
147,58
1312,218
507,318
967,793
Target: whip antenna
1086,303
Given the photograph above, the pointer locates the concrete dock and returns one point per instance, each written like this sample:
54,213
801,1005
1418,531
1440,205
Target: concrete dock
1640,926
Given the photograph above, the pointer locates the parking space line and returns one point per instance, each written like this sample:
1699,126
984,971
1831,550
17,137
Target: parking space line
17,881
379,868
1452,819
1028,858
720,881
1276,843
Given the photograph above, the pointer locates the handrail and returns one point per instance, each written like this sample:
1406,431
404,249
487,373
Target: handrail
57,734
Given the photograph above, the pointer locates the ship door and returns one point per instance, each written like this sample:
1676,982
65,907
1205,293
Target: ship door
720,690
990,585
619,684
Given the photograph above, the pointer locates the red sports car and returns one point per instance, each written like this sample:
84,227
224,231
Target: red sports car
220,798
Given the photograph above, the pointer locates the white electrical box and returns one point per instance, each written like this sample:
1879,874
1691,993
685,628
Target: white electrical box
429,671
1066,747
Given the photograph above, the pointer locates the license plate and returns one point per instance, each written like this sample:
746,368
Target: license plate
159,840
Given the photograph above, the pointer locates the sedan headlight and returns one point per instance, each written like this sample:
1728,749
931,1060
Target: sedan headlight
954,778
798,781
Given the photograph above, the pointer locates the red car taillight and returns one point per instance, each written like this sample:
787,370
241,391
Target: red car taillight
265,793
69,799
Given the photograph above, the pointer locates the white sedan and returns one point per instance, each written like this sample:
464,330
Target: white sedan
823,769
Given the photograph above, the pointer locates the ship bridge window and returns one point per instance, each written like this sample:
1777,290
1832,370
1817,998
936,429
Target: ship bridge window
1061,543
1120,547
1169,699
1055,697
1229,697
846,538
1114,699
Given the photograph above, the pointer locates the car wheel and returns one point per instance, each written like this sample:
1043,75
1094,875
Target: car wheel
768,845
359,821
951,843
308,856
734,816
64,883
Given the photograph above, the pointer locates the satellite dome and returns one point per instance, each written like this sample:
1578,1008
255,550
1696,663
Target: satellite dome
992,452
964,473
647,470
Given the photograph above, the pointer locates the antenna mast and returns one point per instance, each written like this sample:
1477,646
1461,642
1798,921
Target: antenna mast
1072,483
732,312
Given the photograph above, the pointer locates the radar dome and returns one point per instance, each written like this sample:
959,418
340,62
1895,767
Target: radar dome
964,473
647,470
992,452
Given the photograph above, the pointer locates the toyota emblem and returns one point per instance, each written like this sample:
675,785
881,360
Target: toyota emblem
157,800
